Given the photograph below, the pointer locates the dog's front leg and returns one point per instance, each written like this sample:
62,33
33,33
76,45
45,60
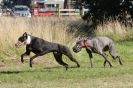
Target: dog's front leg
40,54
90,56
106,60
25,54
32,59
22,56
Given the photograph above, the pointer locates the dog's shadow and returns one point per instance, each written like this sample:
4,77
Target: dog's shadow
58,67
11,72
46,69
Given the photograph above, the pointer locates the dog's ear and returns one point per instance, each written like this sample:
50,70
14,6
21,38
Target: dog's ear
25,34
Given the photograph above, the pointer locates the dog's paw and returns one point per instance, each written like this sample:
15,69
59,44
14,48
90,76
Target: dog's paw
78,65
22,61
30,65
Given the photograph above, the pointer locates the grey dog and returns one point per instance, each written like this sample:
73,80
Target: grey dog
98,45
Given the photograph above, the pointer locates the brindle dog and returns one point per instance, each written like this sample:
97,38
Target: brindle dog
98,45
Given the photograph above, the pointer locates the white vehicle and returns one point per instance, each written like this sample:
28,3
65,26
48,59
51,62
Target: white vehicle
21,10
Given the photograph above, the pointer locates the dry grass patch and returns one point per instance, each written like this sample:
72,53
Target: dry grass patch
53,29
115,30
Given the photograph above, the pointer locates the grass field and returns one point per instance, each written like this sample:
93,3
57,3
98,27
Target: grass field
46,73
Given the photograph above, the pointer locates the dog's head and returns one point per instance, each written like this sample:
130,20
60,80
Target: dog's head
77,47
81,43
23,40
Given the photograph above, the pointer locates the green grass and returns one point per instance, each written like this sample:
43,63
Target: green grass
46,73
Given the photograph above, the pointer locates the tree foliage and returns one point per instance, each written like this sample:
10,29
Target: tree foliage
101,10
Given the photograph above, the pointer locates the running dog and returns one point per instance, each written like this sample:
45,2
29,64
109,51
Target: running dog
41,47
98,45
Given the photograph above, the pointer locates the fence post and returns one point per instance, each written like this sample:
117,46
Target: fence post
82,11
58,10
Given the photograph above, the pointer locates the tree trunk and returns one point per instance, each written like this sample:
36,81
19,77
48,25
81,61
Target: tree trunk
67,4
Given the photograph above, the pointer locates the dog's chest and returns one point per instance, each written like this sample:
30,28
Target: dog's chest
34,50
30,48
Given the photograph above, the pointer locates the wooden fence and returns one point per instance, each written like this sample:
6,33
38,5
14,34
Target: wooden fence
71,12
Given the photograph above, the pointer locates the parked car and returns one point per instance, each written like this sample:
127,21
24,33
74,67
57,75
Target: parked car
21,10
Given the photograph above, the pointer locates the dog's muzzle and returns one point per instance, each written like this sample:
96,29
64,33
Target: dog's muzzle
75,50
19,44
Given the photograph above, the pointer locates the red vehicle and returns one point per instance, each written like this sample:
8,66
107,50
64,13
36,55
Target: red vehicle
42,12
42,8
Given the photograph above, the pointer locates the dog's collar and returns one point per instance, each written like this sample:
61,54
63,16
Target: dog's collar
28,41
85,44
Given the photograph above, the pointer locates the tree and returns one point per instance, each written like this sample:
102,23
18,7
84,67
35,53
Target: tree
66,4
101,10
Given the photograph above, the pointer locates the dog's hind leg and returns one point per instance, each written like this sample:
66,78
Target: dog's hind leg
114,54
74,60
106,60
58,58
69,55
66,51
105,63
119,60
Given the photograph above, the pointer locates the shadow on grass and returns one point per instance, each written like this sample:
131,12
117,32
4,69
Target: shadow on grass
11,72
53,69
57,67
46,69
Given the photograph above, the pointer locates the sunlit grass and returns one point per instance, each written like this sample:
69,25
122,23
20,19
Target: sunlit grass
47,73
